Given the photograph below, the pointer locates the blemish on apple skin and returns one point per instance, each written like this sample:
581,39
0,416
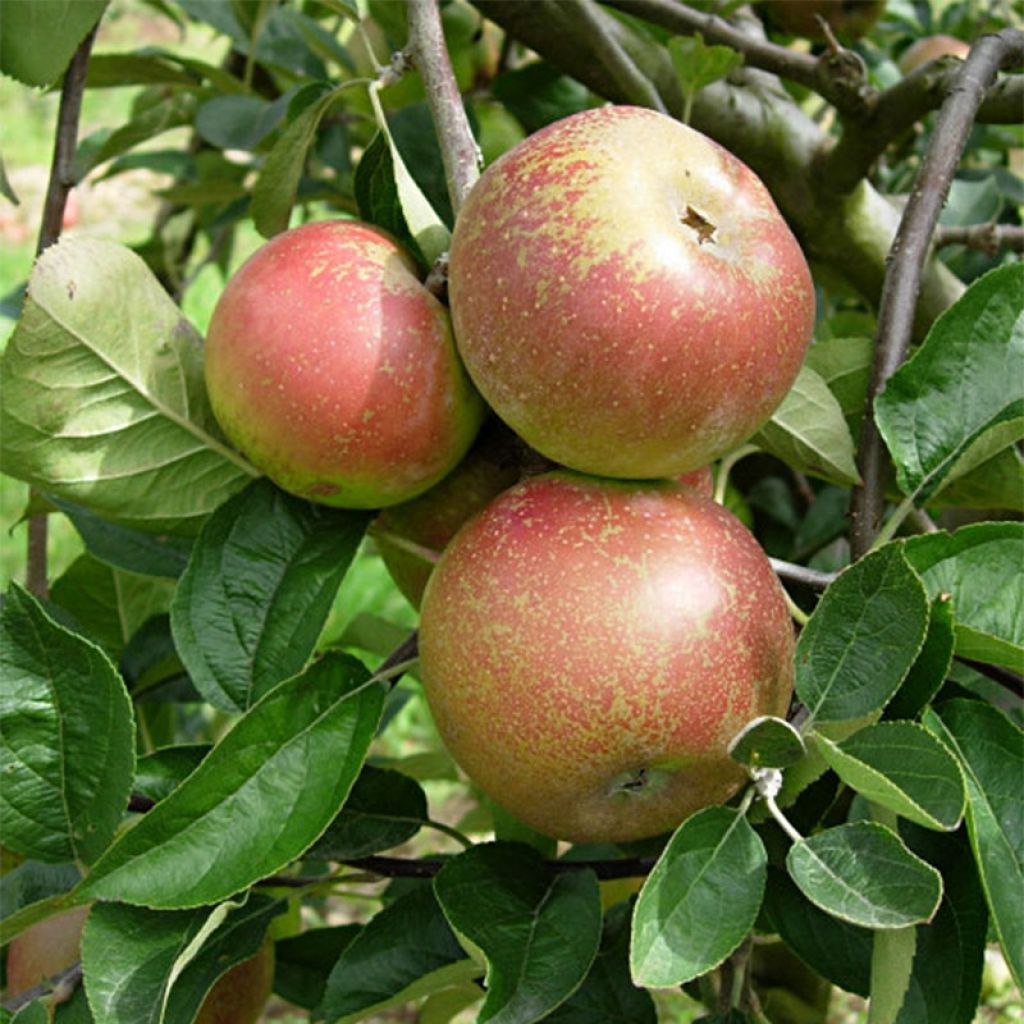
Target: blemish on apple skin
704,229
323,490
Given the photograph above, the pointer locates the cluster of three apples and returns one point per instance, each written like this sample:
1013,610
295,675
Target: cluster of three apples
627,298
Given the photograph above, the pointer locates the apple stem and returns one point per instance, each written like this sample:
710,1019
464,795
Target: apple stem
409,546
796,613
448,830
782,820
725,468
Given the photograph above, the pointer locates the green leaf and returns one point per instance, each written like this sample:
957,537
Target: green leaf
996,483
960,398
700,900
109,604
104,402
136,551
274,193
31,882
697,64
383,810
862,873
608,995
130,956
38,39
836,949
538,929
539,93
991,749
377,194
258,589
116,70
979,566
158,774
302,963
33,913
405,951
929,671
259,798
892,961
35,1013
240,122
154,113
67,754
808,432
862,638
844,364
424,225
901,766
945,978
767,742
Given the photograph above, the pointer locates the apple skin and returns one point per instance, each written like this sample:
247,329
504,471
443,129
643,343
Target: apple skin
50,947
45,949
849,19
431,520
588,648
333,369
626,295
701,480
930,48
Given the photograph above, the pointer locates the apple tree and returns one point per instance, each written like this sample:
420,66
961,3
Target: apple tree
220,781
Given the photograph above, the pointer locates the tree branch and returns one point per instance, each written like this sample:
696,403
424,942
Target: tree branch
899,108
459,151
842,82
610,53
988,238
60,988
62,180
997,673
752,116
801,574
909,251
427,867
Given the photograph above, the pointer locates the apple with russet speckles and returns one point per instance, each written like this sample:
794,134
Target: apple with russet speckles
626,295
48,948
589,647
332,368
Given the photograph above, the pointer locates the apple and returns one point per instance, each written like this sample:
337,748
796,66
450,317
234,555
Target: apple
333,370
701,480
44,950
589,647
411,536
930,48
626,295
849,19
51,946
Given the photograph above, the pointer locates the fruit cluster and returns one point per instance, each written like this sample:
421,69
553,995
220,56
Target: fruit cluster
627,299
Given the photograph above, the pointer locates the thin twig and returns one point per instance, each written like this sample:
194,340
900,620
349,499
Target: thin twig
896,110
459,151
812,578
404,867
60,988
907,257
610,53
828,78
988,238
1007,678
62,180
